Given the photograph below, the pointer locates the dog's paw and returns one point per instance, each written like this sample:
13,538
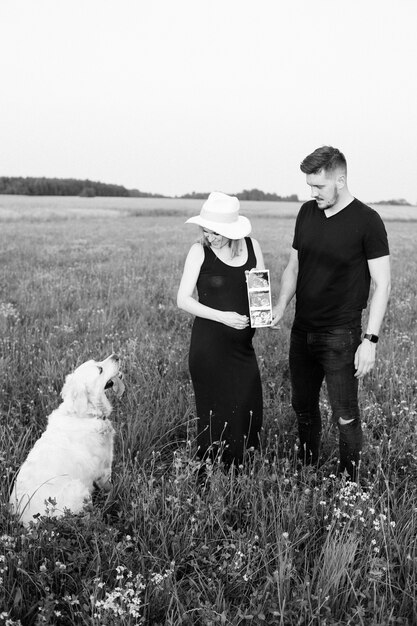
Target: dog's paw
103,484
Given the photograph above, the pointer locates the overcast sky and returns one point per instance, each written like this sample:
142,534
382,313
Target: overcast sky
174,96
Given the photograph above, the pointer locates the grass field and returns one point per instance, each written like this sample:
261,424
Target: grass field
82,278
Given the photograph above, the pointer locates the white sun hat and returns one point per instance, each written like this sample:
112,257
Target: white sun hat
220,213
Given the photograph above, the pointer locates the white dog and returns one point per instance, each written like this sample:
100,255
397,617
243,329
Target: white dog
75,452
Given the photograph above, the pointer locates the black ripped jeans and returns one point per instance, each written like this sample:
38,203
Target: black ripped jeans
315,356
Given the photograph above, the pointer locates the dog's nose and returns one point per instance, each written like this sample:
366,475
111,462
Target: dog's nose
115,357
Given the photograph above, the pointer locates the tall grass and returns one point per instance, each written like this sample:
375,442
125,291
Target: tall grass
271,544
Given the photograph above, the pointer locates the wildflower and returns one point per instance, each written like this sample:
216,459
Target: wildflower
72,600
9,542
8,310
157,579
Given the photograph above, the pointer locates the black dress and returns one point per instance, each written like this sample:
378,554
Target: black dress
223,364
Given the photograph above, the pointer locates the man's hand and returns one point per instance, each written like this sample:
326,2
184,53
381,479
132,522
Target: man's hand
287,290
277,314
364,358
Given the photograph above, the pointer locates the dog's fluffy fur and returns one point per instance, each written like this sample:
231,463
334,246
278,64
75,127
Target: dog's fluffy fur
75,452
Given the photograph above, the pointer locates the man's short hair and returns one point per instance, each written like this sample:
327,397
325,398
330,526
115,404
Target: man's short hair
325,158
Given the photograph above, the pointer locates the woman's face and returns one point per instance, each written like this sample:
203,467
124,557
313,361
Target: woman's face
214,239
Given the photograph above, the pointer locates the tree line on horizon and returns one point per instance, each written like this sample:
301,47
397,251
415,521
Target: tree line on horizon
247,194
42,186
32,186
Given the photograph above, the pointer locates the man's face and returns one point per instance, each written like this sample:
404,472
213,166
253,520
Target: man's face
324,188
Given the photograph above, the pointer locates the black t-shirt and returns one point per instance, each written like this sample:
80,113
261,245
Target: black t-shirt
333,277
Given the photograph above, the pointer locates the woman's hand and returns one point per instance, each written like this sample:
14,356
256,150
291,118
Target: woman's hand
234,320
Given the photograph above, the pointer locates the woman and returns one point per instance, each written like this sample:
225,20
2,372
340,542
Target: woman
222,361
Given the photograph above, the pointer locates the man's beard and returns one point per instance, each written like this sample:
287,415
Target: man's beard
330,203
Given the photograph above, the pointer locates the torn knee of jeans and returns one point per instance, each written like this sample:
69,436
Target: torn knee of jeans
344,422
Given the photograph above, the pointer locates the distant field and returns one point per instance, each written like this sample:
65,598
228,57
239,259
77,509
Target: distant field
46,207
81,278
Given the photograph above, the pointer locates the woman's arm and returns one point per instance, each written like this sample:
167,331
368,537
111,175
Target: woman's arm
260,265
185,295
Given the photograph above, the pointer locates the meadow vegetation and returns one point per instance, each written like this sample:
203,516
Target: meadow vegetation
271,544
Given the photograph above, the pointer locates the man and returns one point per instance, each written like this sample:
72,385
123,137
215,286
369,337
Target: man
339,246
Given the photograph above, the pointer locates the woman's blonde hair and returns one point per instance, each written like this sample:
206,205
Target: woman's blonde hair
234,244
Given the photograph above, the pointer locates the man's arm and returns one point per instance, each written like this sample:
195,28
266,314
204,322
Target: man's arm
381,277
288,286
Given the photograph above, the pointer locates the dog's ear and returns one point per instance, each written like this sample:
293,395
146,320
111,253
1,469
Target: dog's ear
66,389
80,399
75,392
